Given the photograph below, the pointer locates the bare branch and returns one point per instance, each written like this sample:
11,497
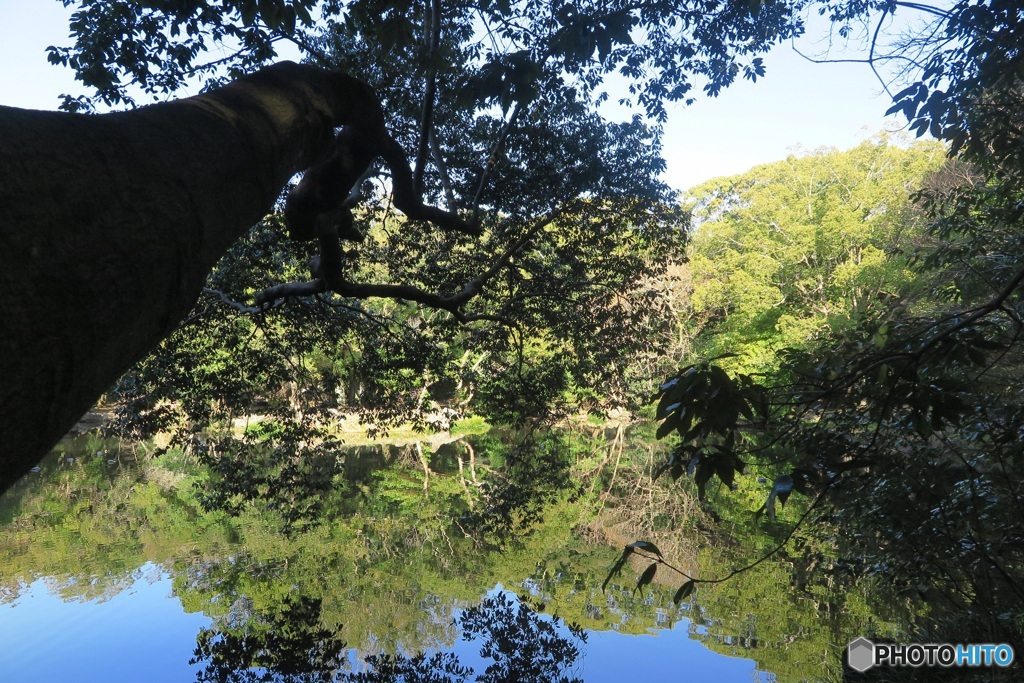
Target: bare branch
871,54
287,290
231,303
927,9
442,169
433,40
492,159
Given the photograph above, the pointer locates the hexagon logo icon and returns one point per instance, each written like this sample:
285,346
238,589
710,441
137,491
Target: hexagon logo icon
860,654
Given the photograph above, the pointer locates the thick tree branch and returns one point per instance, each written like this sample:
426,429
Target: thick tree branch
229,302
325,188
410,203
173,186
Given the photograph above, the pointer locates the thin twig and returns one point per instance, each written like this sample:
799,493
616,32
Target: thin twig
739,570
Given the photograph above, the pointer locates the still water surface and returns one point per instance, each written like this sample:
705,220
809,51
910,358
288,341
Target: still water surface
113,571
144,634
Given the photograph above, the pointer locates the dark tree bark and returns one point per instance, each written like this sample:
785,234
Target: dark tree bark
110,224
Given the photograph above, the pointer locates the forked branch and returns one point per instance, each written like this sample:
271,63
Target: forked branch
329,276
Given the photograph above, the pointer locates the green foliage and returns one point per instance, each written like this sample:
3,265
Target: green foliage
875,364
289,468
535,473
793,251
158,46
290,645
920,418
967,88
899,426
703,405
471,425
575,221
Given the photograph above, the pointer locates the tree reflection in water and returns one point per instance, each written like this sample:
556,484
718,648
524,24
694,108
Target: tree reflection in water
292,646
524,647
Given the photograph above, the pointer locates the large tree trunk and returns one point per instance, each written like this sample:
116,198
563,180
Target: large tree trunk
110,224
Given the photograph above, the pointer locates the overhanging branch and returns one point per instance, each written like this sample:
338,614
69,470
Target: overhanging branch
330,277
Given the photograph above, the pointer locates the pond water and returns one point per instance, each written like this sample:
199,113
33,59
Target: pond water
111,570
143,633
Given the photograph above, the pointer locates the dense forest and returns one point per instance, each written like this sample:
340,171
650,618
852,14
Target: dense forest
813,360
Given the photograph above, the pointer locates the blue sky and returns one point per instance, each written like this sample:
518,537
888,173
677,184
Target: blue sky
799,106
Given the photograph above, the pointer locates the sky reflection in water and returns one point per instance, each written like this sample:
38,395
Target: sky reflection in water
143,634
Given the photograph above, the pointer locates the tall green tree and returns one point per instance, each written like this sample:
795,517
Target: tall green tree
800,249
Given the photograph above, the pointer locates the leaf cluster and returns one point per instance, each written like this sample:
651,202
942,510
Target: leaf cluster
703,405
661,47
968,88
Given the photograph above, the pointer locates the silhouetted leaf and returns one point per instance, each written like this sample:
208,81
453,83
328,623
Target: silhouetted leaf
668,426
703,475
617,567
684,591
647,576
646,546
781,488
